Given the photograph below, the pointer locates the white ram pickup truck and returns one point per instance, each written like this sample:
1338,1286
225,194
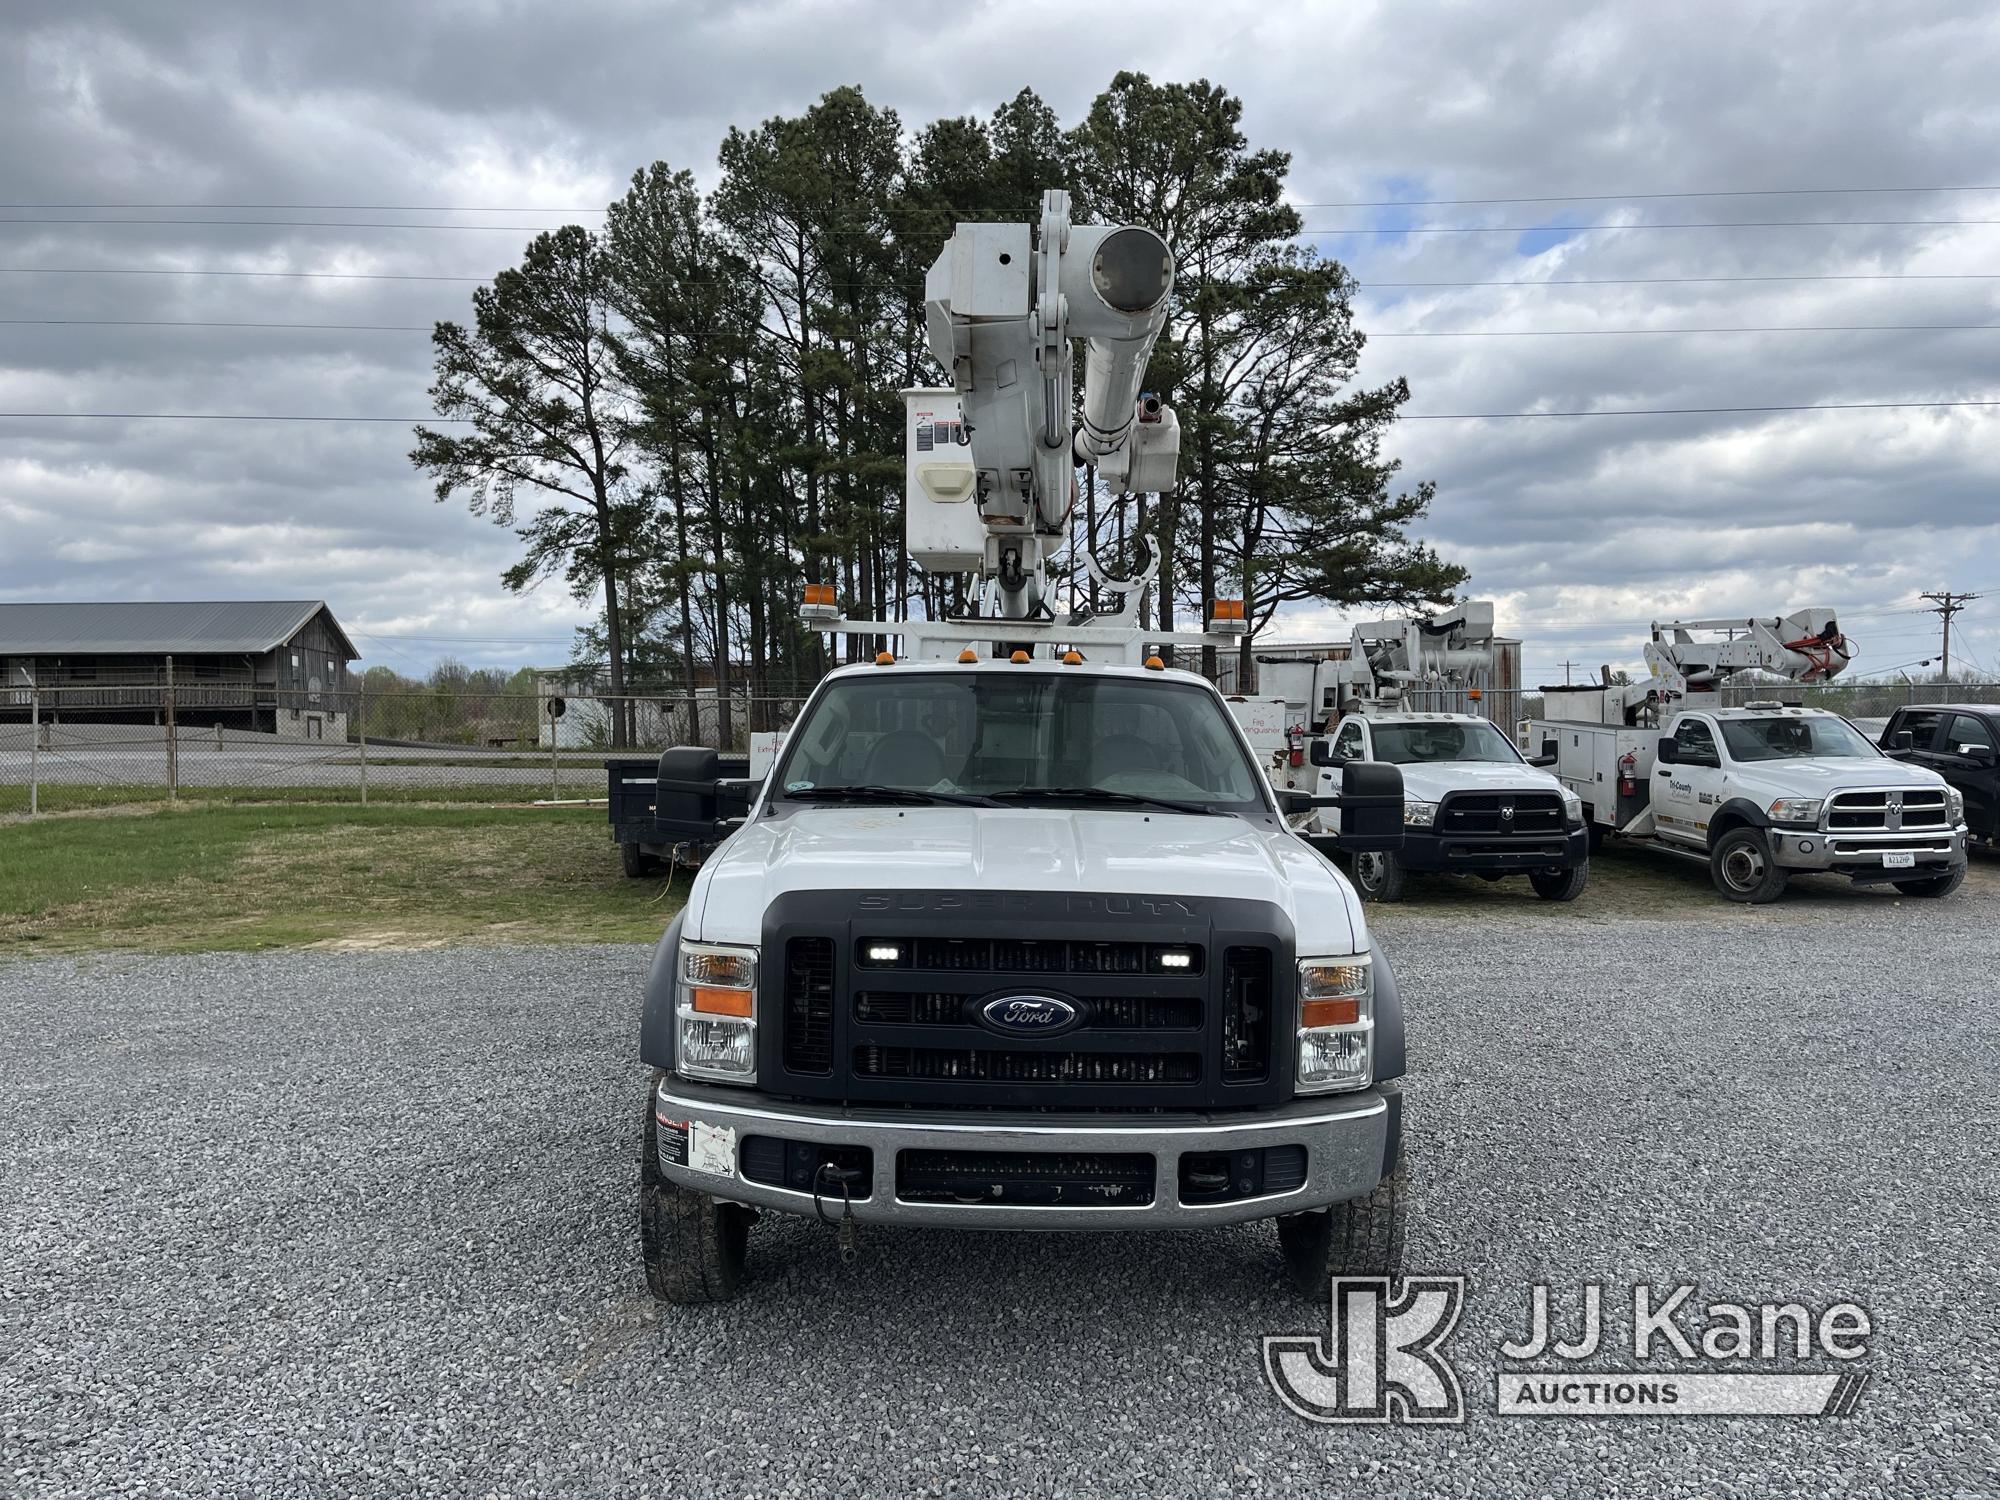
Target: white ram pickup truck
1472,805
1762,792
1023,945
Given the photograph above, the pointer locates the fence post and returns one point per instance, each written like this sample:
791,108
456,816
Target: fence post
173,748
35,750
364,742
555,766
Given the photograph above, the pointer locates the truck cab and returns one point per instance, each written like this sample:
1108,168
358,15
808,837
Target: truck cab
1961,743
1472,805
1765,790
1020,944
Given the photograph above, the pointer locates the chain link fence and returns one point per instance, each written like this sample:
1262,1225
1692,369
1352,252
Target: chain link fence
84,746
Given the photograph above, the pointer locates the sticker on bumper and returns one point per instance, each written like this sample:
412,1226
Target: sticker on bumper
673,1141
712,1148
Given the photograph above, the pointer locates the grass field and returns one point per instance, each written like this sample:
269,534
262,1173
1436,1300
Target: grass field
123,797
206,877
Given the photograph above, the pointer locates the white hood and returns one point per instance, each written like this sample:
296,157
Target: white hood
1019,849
1428,781
1824,775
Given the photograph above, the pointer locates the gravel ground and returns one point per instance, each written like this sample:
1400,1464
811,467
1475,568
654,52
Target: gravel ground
330,1224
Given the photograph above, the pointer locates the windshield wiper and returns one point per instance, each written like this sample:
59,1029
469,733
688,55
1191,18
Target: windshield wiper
1101,794
906,795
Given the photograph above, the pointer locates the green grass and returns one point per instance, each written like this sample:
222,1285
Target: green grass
14,799
200,878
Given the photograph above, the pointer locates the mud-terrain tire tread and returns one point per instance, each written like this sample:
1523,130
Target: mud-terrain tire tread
696,1248
1361,1237
1561,885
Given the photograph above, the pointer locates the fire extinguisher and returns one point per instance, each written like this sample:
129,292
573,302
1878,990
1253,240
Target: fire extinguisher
1295,739
1628,774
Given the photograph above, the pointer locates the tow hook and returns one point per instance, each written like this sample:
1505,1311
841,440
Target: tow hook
847,1231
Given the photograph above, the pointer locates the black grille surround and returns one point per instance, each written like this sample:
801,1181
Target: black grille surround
1485,815
1213,1034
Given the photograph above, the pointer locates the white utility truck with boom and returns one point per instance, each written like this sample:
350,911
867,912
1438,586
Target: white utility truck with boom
1472,803
1015,934
1760,791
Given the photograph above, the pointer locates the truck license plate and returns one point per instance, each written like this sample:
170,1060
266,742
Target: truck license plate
1899,861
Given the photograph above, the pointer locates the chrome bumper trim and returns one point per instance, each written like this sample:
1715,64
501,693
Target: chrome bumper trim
1345,1137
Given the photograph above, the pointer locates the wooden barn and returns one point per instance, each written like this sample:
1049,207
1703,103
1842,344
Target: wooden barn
275,666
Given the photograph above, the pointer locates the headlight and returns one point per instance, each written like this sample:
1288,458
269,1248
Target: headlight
1573,808
1336,1023
1796,809
1419,814
717,1010
1954,804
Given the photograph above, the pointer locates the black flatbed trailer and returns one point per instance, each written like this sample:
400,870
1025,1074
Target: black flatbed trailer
677,808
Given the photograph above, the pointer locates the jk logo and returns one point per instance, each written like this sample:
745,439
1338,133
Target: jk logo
1379,1359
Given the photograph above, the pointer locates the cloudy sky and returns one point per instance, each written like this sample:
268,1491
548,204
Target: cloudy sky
488,118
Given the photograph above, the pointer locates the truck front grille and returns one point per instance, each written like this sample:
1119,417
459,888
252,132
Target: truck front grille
881,998
1887,811
1044,1065
1485,814
809,1005
1090,1179
954,1008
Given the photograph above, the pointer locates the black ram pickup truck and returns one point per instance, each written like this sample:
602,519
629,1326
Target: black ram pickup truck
1961,742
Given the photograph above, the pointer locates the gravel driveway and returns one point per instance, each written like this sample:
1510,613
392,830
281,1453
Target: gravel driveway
335,1224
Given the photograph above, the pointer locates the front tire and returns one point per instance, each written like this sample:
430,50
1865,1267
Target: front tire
1742,868
1937,885
1560,885
1380,876
696,1248
1361,1237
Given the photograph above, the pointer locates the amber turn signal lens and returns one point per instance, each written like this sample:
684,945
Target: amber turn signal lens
1330,1012
714,1002
1018,658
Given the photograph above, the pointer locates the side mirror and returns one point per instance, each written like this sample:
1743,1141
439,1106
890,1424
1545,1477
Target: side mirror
1982,755
1321,754
1668,751
1902,742
1292,801
1542,760
1371,807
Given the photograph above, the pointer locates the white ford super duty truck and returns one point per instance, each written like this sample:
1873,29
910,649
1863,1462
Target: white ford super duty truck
1023,944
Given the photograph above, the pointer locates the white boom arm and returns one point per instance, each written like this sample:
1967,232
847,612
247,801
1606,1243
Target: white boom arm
1686,659
991,476
999,316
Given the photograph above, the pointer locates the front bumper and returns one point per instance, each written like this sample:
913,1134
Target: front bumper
1517,854
1860,855
1347,1138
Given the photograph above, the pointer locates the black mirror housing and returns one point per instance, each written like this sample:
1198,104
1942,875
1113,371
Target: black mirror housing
1668,750
1541,760
1902,742
1371,807
1982,755
1292,801
1321,753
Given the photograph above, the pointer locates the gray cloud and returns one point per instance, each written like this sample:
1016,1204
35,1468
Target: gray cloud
1582,529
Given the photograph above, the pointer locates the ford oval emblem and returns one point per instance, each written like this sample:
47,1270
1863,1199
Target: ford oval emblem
1028,1015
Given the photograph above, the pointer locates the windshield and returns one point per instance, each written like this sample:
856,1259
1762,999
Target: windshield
1417,744
1035,736
1794,739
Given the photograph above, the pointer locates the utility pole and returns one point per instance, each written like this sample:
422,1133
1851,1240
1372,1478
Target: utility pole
1945,603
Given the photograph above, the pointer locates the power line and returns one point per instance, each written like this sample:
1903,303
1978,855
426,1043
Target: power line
1680,411
186,271
1577,333
461,208
1946,604
204,323
1594,228
1442,333
1439,416
862,233
1692,280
